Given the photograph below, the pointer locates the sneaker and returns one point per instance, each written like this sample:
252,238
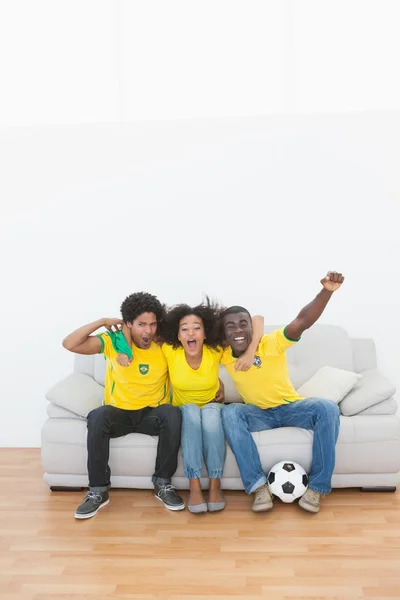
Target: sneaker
310,501
167,494
262,500
91,504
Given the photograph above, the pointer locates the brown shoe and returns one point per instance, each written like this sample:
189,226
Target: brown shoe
310,501
262,500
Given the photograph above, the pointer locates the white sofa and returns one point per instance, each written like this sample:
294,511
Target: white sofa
368,449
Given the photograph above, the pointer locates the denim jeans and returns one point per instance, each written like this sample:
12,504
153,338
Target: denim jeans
108,422
203,435
317,415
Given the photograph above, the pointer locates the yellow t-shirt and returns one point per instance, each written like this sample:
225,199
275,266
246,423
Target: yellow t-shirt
193,386
267,383
144,383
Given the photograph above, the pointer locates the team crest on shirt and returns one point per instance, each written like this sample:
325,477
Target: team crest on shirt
143,369
257,362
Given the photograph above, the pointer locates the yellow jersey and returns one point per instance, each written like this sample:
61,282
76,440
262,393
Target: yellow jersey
144,383
193,386
267,383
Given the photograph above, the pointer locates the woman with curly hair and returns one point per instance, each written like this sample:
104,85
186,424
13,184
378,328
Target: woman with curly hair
193,348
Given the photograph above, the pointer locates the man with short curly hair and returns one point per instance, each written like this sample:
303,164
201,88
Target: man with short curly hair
136,400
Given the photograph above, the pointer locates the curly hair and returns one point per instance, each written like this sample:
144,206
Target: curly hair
208,312
139,303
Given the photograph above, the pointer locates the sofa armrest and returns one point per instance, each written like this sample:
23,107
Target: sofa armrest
77,393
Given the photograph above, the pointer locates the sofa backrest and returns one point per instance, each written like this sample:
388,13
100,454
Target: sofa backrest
321,345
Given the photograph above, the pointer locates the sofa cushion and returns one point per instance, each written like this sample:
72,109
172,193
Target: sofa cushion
56,412
319,346
371,389
365,445
231,393
99,369
387,407
364,354
329,383
77,393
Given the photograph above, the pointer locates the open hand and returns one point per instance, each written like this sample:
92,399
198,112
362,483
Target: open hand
332,281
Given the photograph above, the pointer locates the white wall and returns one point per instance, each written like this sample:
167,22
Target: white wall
133,156
251,211
87,61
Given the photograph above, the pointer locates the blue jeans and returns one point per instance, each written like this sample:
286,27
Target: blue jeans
203,435
319,416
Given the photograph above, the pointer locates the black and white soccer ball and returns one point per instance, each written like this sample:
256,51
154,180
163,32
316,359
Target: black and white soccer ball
287,480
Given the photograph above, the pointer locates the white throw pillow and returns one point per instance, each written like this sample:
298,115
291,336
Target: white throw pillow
373,389
329,383
77,393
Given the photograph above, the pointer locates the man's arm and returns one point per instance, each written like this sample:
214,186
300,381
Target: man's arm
123,359
258,332
312,312
81,341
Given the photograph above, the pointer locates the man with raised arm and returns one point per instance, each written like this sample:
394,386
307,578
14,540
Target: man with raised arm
270,400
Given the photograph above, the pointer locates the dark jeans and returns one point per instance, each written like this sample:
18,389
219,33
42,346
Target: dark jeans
108,422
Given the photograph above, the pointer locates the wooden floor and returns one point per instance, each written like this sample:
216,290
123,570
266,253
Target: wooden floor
135,548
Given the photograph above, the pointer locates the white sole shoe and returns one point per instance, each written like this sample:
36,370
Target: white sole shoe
169,506
92,514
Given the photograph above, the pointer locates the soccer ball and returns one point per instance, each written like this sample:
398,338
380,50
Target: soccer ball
287,480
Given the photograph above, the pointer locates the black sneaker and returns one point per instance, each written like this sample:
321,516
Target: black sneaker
91,505
167,494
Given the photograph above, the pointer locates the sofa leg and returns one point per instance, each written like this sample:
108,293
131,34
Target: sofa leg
64,488
379,488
